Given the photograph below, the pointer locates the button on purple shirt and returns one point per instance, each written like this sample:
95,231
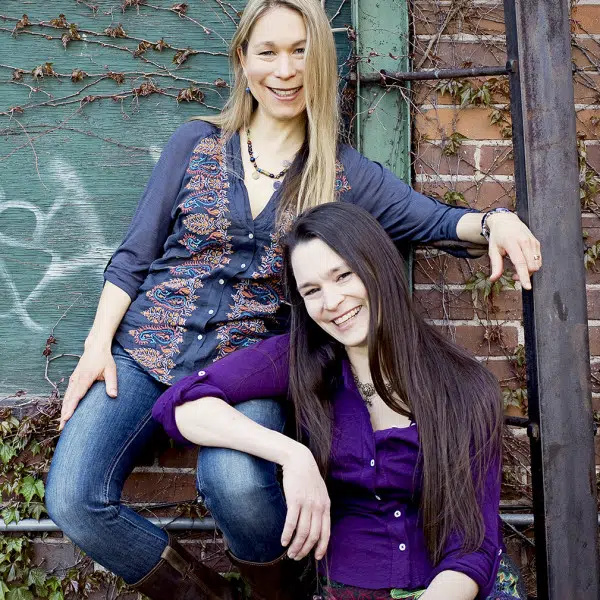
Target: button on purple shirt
376,535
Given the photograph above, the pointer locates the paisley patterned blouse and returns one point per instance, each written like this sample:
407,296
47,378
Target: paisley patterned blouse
204,276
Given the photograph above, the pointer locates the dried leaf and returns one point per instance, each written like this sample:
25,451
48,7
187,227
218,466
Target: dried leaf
15,110
182,55
191,94
23,22
220,83
141,49
147,88
61,21
128,3
180,8
115,31
78,75
118,77
43,70
17,75
161,45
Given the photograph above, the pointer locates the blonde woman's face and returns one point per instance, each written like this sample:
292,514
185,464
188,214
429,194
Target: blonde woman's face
274,63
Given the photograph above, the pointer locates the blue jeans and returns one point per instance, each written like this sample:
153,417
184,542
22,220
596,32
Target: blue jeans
97,451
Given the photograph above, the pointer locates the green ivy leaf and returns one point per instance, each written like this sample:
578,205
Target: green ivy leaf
27,488
35,510
40,489
14,544
58,595
6,453
20,593
36,577
53,584
10,514
3,590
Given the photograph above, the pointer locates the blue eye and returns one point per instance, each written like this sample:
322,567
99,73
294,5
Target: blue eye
301,50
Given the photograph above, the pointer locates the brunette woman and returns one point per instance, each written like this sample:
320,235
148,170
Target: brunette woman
198,276
404,426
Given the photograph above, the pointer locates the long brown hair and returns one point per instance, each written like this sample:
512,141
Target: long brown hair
311,180
455,401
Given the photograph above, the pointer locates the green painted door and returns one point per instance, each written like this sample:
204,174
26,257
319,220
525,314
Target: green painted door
89,93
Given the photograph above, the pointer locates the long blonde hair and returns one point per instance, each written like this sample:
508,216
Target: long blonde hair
313,182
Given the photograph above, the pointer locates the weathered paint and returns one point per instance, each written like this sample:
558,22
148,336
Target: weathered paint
71,175
383,113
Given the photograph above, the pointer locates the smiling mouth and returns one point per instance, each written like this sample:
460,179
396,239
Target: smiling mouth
347,316
285,93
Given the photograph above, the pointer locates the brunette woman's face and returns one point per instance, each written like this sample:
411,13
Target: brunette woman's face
274,63
334,297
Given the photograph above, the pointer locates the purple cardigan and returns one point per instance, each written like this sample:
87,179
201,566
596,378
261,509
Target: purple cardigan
377,539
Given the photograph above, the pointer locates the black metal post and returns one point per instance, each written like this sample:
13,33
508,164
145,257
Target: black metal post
555,312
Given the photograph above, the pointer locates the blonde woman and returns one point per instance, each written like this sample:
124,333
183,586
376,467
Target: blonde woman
198,276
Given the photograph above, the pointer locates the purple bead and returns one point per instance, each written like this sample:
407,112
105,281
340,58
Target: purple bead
277,184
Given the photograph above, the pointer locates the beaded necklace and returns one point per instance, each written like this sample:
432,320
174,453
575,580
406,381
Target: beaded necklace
258,171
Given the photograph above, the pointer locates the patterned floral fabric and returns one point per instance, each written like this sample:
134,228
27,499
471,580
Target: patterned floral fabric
203,274
508,586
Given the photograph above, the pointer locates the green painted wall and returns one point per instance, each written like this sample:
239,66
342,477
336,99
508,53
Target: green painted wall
71,169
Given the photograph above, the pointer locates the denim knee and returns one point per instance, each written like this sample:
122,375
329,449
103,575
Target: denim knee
73,506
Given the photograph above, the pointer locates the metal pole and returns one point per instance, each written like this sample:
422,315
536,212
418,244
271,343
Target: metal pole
555,312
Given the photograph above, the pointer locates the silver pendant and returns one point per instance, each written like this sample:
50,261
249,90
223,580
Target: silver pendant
256,175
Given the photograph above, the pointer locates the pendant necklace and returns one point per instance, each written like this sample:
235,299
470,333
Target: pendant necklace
367,390
258,171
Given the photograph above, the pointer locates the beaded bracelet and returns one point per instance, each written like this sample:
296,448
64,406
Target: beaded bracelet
485,230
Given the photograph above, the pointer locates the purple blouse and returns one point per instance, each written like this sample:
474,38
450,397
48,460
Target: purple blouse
377,539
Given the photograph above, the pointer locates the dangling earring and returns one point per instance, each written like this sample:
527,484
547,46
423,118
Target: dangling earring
247,90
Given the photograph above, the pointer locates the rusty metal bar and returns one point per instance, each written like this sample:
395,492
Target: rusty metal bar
384,77
555,312
206,524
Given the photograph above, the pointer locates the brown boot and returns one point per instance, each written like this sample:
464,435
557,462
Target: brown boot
280,579
180,576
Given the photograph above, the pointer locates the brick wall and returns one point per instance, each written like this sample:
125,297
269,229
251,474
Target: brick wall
482,171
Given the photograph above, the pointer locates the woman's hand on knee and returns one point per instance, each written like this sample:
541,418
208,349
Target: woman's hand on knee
94,365
308,506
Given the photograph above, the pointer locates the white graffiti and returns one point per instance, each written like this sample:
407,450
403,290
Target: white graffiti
72,211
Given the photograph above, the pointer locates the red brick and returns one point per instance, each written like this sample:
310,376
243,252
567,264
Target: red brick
429,18
52,555
452,304
587,87
489,340
594,333
593,157
503,371
496,160
480,195
446,268
586,19
505,305
472,122
160,487
593,304
179,457
460,54
431,159
588,123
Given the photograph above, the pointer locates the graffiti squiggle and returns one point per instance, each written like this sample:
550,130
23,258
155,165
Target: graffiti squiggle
82,215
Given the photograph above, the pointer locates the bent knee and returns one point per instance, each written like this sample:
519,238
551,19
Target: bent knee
69,502
234,476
